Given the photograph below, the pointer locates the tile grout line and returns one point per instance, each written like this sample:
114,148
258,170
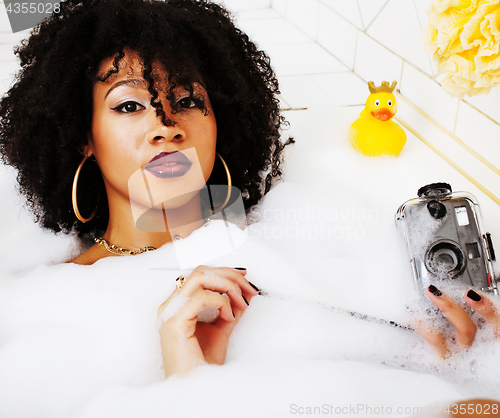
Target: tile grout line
481,112
418,17
450,161
378,42
360,15
405,61
317,43
376,16
318,20
450,134
431,77
421,29
447,132
352,24
339,15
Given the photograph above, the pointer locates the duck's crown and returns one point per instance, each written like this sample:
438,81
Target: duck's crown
384,87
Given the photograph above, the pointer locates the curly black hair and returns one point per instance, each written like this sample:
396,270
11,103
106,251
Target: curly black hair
45,118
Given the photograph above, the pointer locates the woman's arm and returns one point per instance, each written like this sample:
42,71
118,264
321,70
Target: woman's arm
465,328
187,343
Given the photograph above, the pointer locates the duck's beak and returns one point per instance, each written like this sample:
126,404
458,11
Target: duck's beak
383,114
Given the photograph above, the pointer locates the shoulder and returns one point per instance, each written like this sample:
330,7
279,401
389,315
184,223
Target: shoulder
90,256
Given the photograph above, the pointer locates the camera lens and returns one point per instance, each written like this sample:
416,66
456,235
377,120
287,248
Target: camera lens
436,209
445,259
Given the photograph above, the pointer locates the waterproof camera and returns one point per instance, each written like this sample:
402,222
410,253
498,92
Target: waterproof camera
445,239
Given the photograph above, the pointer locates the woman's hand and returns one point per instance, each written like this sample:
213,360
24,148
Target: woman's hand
465,328
186,342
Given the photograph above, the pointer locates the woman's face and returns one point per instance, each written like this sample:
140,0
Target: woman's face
143,161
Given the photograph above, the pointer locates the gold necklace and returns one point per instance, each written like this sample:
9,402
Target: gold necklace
124,251
119,250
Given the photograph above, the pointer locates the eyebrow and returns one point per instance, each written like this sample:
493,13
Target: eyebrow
131,82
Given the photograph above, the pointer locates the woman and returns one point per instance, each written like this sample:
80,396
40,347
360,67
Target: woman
114,91
138,99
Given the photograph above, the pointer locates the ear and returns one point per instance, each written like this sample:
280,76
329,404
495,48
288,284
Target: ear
87,149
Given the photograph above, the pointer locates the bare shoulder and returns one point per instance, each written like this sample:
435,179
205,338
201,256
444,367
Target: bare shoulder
90,256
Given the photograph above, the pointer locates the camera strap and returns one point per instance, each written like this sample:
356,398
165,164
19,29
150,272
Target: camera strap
342,311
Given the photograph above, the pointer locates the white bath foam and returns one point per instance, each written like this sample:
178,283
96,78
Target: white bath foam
277,388
115,303
50,370
193,252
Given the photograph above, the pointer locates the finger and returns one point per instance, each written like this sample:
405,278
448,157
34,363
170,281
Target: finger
485,308
237,276
186,317
209,280
222,280
241,270
464,326
433,336
227,327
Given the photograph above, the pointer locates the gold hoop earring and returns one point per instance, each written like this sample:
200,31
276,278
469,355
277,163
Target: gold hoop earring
229,184
228,194
73,194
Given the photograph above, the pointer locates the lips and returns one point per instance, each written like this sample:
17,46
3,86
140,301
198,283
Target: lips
382,114
168,164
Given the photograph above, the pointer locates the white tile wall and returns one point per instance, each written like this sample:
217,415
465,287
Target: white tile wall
4,20
7,71
274,31
323,90
488,103
245,5
7,52
369,10
305,15
421,6
427,95
479,133
254,14
347,9
303,58
8,61
279,6
376,63
398,28
472,166
331,28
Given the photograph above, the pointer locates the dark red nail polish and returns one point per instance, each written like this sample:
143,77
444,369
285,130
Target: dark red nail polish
245,299
240,268
434,290
473,295
255,287
234,316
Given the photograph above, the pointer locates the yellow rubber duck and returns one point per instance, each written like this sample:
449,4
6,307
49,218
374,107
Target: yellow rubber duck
374,133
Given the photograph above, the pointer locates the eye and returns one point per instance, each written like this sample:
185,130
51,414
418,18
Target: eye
191,102
187,102
389,102
128,107
377,102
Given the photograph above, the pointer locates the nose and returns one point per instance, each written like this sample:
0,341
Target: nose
165,129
